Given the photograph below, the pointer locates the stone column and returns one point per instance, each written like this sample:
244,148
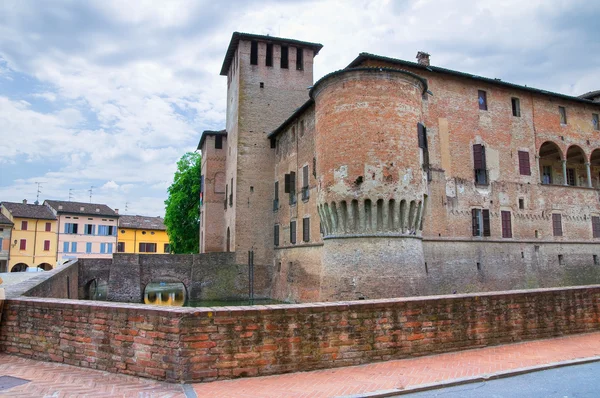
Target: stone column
589,174
564,168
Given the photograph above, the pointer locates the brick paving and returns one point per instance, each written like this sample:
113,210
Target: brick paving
59,380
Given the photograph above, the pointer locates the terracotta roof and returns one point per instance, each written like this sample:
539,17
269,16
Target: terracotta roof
91,209
142,222
366,56
207,133
4,220
235,39
23,210
590,95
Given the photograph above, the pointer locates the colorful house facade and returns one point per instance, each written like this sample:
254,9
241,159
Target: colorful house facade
33,238
85,230
5,233
140,234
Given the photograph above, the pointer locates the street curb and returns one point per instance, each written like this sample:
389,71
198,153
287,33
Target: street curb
469,380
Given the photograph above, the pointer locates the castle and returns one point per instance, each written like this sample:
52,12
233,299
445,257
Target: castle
394,178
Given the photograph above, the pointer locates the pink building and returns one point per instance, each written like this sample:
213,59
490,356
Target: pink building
85,230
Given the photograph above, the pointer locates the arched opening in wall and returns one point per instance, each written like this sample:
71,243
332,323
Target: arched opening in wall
95,290
402,216
418,217
595,167
355,218
411,216
380,215
368,215
576,172
228,248
45,266
20,267
550,163
334,217
165,293
219,182
343,216
392,215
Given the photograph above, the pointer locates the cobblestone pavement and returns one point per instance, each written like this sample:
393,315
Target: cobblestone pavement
59,380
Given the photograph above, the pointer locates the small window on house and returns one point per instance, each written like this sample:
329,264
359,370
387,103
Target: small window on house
276,199
516,107
306,229
293,232
120,247
269,55
596,226
262,84
305,190
546,175
560,259
290,186
524,167
219,142
479,164
254,53
284,57
571,177
276,235
557,225
506,224
167,248
482,100
231,195
48,227
299,59
563,114
595,121
480,222
24,225
521,203
46,245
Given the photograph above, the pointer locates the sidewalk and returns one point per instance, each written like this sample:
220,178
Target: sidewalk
57,380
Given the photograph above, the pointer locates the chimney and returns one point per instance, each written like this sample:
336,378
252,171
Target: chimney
24,201
423,58
117,211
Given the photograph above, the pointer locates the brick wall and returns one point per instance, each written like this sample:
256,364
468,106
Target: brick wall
194,344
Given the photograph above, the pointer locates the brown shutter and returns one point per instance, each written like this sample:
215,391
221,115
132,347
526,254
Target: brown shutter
276,235
486,222
293,232
306,229
478,158
475,221
46,245
557,224
287,184
421,133
23,244
506,227
292,182
596,226
276,190
524,166
305,177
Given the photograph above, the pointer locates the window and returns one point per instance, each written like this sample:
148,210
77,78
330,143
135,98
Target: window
595,121
269,55
89,229
293,232
557,224
167,248
48,227
231,194
422,138
73,247
226,194
596,226
102,248
109,248
305,191
284,57
521,204
524,168
506,225
571,177
299,59
276,235
516,107
107,230
46,245
88,247
121,247
253,53
482,100
306,229
24,225
563,114
70,228
219,142
65,247
290,186
479,164
23,244
546,174
276,200
480,222
147,247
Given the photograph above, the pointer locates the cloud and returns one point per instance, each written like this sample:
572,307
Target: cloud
110,185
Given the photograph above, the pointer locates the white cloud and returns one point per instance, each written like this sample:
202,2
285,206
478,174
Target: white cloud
110,185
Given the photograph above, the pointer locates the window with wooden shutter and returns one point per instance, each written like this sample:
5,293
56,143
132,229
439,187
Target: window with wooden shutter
46,245
485,216
524,167
479,164
276,199
293,232
516,107
476,221
557,224
121,247
23,244
48,227
253,53
276,235
292,188
596,226
506,224
482,100
286,186
305,191
306,229
421,135
24,225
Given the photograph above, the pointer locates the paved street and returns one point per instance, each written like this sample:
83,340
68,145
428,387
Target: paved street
581,381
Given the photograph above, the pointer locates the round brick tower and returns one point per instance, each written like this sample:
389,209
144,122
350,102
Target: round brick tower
373,188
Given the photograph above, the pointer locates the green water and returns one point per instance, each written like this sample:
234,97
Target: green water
230,303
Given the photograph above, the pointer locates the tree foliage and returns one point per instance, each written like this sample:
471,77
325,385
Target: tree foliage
182,205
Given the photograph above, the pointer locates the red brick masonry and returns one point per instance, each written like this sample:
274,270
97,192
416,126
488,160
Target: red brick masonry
192,344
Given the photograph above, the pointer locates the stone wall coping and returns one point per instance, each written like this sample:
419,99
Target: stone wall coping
476,239
24,287
149,309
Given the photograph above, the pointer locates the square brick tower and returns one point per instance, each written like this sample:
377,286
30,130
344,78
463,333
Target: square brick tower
267,79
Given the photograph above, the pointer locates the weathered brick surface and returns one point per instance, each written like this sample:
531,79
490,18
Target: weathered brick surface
193,344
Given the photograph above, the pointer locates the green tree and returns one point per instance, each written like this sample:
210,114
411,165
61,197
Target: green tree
182,206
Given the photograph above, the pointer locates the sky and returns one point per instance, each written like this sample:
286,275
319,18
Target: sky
107,95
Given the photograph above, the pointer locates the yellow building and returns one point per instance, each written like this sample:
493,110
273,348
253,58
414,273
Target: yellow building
144,235
33,241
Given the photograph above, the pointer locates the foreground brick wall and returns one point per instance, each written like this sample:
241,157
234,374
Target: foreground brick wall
193,344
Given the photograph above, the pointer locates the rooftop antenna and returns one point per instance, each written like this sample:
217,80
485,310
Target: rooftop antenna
70,194
126,206
39,190
91,191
